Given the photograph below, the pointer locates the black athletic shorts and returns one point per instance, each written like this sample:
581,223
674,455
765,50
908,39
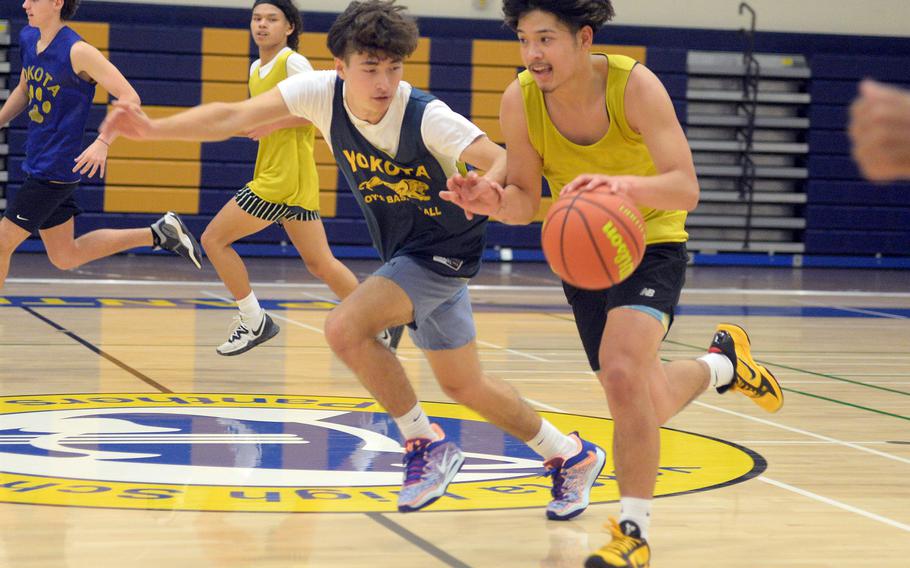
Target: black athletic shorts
655,284
40,204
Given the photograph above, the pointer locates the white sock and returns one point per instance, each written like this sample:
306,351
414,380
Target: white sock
721,369
250,312
415,424
550,443
638,511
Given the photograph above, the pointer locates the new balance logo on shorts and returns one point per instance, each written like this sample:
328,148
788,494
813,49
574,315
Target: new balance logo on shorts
647,292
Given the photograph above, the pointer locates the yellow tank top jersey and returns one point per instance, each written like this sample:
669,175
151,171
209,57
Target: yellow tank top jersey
285,167
620,152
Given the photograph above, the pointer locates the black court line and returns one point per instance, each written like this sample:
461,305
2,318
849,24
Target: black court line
420,543
91,347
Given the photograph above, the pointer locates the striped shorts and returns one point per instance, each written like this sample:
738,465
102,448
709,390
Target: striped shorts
268,211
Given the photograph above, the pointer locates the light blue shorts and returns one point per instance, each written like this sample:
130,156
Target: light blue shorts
442,307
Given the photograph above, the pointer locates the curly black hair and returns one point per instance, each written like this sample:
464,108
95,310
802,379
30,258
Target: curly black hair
377,27
575,14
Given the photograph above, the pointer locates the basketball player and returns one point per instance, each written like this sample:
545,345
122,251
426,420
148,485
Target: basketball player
284,189
396,146
880,131
57,85
591,120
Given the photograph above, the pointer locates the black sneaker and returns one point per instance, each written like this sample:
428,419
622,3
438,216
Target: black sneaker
391,337
244,338
169,233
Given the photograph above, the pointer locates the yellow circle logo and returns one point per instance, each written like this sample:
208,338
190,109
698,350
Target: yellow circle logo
277,453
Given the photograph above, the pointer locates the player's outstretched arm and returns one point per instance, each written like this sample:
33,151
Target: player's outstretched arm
16,103
86,60
880,131
208,122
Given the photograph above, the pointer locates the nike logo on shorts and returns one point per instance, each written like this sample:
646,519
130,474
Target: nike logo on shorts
20,217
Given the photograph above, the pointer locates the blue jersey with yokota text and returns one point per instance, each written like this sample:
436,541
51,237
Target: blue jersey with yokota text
58,105
400,196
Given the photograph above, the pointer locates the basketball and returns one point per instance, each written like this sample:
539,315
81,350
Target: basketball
593,239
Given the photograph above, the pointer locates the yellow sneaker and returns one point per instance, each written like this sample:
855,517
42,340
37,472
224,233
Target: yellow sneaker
623,551
749,378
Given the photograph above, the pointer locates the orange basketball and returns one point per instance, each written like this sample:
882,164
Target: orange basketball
593,239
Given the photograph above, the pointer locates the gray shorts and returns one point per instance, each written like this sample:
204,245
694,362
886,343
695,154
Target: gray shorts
442,307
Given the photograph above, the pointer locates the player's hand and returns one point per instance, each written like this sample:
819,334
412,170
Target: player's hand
880,131
126,119
475,194
92,159
617,185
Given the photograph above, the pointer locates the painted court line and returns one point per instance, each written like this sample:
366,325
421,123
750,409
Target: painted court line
479,287
834,503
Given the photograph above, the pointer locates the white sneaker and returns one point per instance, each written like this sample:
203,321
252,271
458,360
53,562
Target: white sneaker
244,338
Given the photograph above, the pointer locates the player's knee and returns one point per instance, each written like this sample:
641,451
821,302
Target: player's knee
63,260
621,377
318,267
211,240
340,333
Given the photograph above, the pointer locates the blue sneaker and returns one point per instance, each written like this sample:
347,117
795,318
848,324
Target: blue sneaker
430,465
573,479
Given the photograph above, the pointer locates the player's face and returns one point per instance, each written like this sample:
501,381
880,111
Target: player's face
269,26
40,12
372,81
549,49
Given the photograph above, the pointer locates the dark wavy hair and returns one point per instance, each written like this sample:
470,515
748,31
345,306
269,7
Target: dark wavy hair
292,14
575,14
376,27
69,9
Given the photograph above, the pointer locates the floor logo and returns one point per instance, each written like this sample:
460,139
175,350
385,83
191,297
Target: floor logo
219,452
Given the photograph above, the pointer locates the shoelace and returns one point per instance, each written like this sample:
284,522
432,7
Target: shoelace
559,480
621,542
416,462
237,327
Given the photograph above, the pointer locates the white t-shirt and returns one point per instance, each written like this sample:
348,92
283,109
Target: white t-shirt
445,133
296,64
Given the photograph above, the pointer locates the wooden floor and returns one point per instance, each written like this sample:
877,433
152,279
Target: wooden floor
834,491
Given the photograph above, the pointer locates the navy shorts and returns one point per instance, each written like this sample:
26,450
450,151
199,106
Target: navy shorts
40,204
653,288
443,318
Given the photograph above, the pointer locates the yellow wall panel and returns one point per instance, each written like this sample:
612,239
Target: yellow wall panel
418,75
328,203
100,96
323,154
164,172
121,199
485,105
226,41
328,177
492,79
155,149
162,111
94,33
491,127
231,68
312,45
224,92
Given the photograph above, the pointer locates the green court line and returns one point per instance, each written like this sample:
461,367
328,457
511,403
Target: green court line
789,389
808,372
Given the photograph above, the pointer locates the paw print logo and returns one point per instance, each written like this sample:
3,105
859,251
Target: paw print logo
40,107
